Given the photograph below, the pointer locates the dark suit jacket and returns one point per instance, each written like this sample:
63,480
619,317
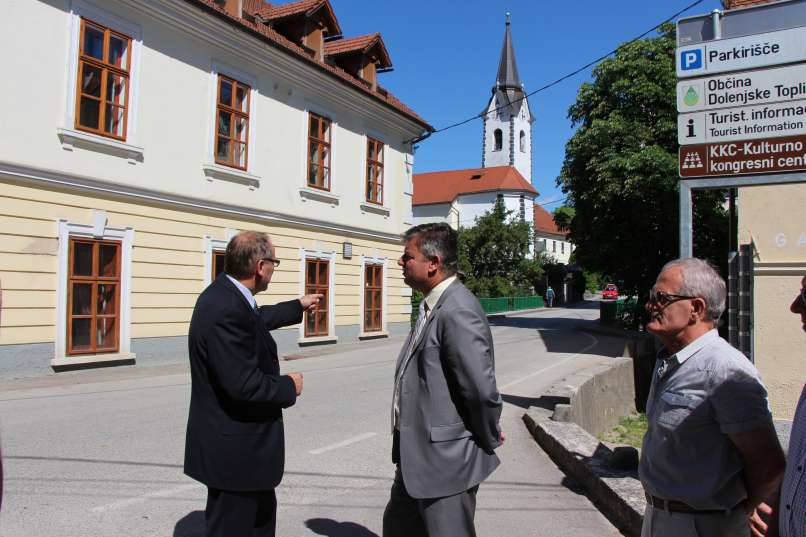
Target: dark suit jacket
449,402
235,426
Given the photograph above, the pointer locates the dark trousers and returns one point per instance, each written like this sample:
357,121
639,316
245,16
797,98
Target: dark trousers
451,516
240,514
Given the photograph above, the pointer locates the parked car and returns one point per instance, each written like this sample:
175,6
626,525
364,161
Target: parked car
610,291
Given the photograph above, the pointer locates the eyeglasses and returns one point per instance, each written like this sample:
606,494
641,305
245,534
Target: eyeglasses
664,299
275,262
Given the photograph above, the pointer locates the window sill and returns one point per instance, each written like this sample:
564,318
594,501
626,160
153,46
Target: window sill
373,335
319,195
71,139
217,171
317,340
367,207
84,360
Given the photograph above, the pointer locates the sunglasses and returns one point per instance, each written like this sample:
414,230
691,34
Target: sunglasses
803,297
275,262
664,299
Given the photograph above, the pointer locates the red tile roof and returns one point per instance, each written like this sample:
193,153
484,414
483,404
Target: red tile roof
254,6
272,37
285,10
544,221
361,43
303,7
443,187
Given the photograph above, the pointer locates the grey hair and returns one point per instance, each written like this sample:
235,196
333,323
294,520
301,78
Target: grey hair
436,239
700,279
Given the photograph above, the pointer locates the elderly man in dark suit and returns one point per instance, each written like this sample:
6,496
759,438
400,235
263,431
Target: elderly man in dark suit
446,407
235,441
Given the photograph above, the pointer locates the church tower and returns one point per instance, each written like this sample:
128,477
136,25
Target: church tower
507,118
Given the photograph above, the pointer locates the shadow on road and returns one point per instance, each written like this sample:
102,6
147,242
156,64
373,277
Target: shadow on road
555,331
333,528
190,525
544,401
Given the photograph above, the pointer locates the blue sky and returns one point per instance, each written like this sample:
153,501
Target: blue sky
445,54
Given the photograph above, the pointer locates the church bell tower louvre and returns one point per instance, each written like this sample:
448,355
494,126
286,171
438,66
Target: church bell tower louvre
507,119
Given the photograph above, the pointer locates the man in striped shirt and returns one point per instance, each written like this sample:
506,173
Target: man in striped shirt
788,513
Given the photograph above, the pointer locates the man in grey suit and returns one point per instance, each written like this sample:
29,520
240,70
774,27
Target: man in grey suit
446,406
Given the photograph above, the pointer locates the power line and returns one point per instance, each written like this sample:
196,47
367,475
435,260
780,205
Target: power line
561,79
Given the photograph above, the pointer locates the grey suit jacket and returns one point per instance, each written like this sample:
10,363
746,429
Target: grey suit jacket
449,403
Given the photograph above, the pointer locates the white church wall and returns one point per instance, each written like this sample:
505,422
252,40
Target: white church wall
496,121
438,212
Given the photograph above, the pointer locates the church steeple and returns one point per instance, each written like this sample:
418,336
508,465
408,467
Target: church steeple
507,118
508,82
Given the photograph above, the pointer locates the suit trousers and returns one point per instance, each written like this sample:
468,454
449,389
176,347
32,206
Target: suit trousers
660,523
240,514
451,516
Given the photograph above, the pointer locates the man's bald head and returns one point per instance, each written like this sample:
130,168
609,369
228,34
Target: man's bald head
244,251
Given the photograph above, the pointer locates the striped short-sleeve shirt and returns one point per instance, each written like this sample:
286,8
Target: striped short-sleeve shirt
792,510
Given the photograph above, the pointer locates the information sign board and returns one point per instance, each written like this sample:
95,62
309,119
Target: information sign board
742,89
768,155
742,123
740,53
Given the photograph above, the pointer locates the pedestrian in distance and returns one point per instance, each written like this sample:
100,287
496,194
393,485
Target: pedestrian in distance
710,454
550,297
787,512
445,404
234,441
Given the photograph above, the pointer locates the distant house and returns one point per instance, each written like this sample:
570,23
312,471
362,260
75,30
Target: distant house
458,197
548,238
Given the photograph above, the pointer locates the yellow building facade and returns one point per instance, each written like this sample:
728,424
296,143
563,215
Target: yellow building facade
771,218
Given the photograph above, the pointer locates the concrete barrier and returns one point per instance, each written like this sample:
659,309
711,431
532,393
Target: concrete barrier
597,397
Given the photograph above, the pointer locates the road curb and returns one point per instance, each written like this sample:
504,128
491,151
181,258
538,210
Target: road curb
617,493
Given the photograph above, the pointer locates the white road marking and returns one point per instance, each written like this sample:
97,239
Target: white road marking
164,493
343,443
539,371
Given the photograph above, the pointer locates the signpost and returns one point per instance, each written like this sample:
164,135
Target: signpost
741,89
741,98
769,155
760,50
742,123
740,111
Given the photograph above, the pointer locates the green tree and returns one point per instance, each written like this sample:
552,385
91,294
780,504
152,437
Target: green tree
493,254
563,215
620,169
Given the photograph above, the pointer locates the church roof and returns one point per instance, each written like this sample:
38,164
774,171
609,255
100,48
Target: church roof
444,187
507,67
508,88
544,222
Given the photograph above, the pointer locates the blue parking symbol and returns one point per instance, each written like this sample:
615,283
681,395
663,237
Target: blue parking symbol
691,59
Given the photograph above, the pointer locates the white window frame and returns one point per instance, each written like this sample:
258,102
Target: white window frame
68,134
384,262
211,169
211,244
364,205
304,255
306,192
97,230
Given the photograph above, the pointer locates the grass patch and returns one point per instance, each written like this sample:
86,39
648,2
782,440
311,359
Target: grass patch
629,431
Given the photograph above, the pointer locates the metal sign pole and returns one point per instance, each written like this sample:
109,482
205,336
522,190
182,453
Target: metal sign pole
686,225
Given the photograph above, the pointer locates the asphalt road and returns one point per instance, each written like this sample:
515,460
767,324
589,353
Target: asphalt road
100,453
